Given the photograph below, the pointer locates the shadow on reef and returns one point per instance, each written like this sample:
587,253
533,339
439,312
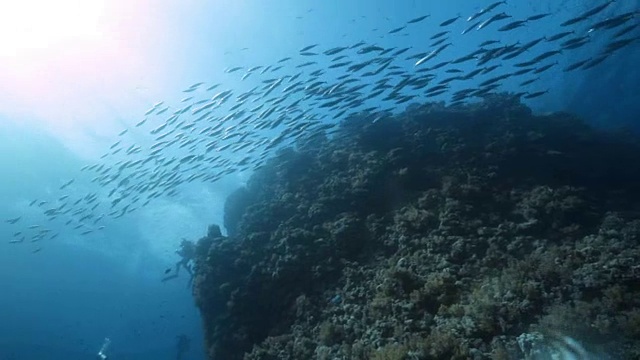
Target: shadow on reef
441,232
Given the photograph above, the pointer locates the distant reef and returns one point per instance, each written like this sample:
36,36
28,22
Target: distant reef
470,232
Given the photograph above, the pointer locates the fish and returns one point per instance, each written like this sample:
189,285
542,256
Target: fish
368,49
442,33
596,10
576,65
492,19
531,44
396,30
450,21
546,55
535,94
625,30
167,271
432,54
489,42
232,131
537,17
560,35
573,21
485,10
335,50
618,44
513,25
594,62
307,48
233,69
613,22
13,220
475,25
162,111
418,19
575,45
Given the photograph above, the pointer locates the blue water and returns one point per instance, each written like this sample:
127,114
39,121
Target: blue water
61,302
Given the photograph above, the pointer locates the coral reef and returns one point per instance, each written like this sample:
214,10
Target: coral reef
438,233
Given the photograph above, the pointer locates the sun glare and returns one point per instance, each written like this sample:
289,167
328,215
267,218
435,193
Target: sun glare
44,25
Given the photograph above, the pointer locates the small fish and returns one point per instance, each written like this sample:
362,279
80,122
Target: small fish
442,33
594,62
560,35
307,48
438,42
67,184
613,22
522,71
397,30
162,111
576,65
597,9
418,19
625,30
535,94
513,25
492,19
233,69
450,21
537,17
471,27
37,250
196,85
619,44
573,21
494,5
546,55
489,42
401,51
485,10
368,49
575,45
334,51
167,271
14,220
472,74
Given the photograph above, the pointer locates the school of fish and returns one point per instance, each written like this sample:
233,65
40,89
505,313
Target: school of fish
218,131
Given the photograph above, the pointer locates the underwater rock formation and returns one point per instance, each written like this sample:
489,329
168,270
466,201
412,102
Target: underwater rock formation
438,233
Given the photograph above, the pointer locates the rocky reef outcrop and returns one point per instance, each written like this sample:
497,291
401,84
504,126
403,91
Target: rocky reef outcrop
438,233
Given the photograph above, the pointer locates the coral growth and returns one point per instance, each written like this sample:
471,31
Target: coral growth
439,233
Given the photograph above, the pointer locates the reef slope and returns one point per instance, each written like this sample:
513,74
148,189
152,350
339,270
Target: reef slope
439,233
